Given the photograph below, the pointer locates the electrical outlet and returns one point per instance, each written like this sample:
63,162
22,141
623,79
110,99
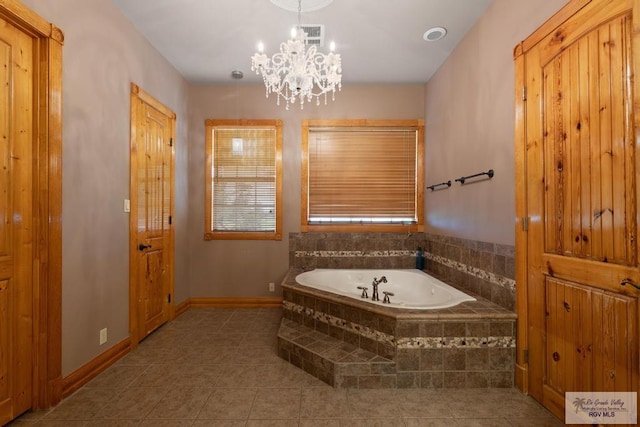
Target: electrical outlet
272,287
103,336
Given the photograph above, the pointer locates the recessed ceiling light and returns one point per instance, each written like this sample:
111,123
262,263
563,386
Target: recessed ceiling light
237,74
307,5
434,34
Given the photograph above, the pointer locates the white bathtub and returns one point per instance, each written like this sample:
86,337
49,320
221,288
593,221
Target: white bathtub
412,289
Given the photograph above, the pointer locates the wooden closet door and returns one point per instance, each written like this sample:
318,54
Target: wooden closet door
151,205
581,181
153,217
16,221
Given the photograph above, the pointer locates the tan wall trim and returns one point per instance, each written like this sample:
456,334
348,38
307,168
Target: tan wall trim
47,190
522,378
29,20
417,124
90,370
183,307
216,302
149,99
214,124
211,302
521,235
550,25
99,364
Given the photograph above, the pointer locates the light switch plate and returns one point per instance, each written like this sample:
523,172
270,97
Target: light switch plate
103,336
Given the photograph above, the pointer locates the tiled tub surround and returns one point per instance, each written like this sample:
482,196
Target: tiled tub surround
485,269
351,344
354,250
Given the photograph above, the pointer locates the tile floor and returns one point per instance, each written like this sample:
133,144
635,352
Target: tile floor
218,367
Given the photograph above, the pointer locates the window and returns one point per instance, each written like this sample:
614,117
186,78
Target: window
362,175
243,179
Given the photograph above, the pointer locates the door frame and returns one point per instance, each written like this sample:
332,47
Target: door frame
137,94
522,371
47,197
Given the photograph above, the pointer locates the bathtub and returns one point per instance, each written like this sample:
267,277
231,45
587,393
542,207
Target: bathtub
412,289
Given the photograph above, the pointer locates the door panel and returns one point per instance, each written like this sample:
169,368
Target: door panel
152,278
581,197
16,223
589,149
591,328
151,239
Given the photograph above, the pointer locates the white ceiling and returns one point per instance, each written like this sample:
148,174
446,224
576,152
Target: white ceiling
380,41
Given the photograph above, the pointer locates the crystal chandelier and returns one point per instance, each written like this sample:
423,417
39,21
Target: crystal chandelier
297,73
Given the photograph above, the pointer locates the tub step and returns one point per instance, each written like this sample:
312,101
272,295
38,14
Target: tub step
337,363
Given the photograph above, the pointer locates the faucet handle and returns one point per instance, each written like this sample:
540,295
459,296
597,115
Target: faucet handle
382,279
364,291
386,299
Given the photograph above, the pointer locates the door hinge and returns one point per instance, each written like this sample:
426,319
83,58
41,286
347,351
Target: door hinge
525,223
524,93
525,356
170,142
170,220
169,298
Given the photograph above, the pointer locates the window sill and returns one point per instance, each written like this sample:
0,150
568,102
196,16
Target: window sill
239,235
374,228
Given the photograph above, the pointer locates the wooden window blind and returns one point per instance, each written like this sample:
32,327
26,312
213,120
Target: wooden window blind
244,177
363,174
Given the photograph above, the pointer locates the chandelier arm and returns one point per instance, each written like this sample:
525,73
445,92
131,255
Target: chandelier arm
320,71
279,61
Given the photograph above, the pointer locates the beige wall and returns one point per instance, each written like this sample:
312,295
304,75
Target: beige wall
102,54
468,109
470,124
244,268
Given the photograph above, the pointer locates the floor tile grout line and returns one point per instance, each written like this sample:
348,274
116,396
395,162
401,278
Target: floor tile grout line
244,336
253,402
197,417
299,405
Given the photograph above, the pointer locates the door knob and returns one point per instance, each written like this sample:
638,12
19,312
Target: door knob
142,246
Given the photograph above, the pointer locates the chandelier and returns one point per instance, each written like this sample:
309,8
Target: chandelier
296,73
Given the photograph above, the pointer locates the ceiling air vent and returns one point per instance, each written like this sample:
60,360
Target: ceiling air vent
315,34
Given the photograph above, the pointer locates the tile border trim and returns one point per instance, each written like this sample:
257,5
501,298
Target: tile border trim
355,328
457,342
403,343
479,273
353,254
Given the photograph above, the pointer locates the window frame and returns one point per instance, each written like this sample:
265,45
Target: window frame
417,125
210,234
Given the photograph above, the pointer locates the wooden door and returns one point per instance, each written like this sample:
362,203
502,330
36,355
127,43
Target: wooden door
151,205
580,201
16,221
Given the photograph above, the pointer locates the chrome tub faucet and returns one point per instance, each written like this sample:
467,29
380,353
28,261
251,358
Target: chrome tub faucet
376,282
